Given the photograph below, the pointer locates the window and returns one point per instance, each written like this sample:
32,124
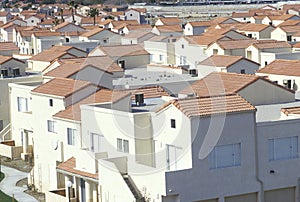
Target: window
123,145
104,40
161,57
182,45
243,71
71,136
22,104
249,55
182,60
67,40
4,72
215,51
173,123
250,35
51,102
275,82
225,156
283,148
51,126
287,83
266,63
151,57
96,142
289,38
16,72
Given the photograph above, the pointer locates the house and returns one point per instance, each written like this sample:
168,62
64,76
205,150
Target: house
138,14
168,21
256,31
134,28
34,20
228,32
67,27
126,56
256,90
285,33
136,37
226,63
8,49
275,20
100,35
44,40
283,72
7,29
40,61
11,70
168,30
118,26
196,28
253,51
101,70
229,47
242,16
257,19
190,50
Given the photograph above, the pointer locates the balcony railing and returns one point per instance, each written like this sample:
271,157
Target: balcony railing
59,195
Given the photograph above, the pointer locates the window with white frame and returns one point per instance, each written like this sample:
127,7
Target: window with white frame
22,104
161,57
122,145
225,156
51,126
71,135
96,142
182,60
283,148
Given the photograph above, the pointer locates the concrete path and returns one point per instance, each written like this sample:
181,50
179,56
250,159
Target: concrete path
8,184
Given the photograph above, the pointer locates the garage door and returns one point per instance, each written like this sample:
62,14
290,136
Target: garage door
251,197
280,195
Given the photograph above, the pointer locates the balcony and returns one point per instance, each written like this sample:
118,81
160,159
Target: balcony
8,149
59,195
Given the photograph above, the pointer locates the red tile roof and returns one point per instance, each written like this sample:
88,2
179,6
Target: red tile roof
224,60
61,87
282,67
207,106
69,166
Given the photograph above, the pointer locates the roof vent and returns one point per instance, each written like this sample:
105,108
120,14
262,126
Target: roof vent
139,99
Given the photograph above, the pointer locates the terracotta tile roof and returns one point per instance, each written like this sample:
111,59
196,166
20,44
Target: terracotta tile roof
46,22
290,29
291,110
92,32
137,34
201,23
8,25
223,60
259,17
123,50
170,21
90,20
4,59
61,87
296,45
281,17
251,27
90,27
221,83
207,106
73,112
235,44
69,166
289,23
241,14
169,28
221,20
204,39
282,67
141,10
64,24
8,46
70,67
123,23
271,44
46,33
105,22
142,27
148,91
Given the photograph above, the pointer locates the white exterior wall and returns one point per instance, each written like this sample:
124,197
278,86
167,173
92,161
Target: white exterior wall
155,49
210,50
277,129
270,57
193,53
279,35
217,183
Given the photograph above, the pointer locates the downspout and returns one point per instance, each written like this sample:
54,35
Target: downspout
257,161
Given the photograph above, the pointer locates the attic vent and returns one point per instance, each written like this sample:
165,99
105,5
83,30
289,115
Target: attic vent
139,99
